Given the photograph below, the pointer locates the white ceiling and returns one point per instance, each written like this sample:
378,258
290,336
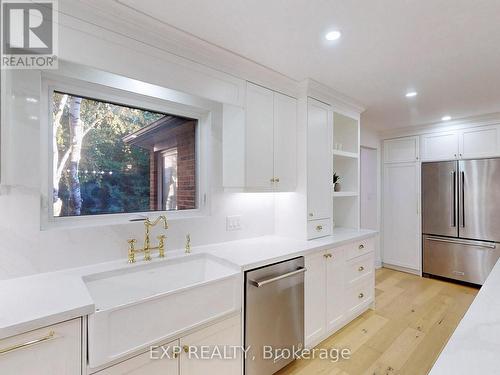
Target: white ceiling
447,50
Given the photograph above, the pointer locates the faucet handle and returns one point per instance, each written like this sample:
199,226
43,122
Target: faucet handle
131,250
188,243
161,245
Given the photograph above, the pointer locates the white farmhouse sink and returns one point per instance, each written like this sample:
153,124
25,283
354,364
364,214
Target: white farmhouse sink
149,303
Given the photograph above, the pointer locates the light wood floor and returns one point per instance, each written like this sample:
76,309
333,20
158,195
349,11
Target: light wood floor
413,319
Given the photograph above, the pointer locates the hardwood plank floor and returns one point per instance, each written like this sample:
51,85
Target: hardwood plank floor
412,321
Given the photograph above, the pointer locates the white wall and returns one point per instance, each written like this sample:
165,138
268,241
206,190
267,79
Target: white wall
24,248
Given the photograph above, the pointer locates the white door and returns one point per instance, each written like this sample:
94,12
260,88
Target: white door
220,335
480,142
335,304
163,360
259,137
319,160
401,150
285,142
401,215
314,298
439,146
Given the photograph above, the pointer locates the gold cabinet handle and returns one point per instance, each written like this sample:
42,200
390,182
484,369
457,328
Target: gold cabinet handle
319,228
360,269
360,295
185,348
273,180
311,214
49,336
276,179
328,255
361,247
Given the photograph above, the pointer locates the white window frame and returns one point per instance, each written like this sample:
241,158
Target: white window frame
128,92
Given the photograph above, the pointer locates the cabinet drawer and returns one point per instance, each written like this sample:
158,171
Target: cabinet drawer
359,294
319,228
359,248
163,360
359,267
51,350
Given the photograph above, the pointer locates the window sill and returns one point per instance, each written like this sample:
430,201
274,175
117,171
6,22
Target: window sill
76,222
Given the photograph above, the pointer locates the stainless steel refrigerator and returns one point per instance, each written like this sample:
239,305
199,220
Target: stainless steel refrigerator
461,218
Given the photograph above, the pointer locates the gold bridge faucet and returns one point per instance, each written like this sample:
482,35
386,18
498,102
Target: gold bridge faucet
148,224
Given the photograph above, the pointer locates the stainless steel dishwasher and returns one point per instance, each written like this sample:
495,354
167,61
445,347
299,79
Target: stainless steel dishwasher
274,315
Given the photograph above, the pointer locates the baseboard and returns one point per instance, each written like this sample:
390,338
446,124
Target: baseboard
402,269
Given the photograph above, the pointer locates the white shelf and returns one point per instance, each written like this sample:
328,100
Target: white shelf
338,194
345,154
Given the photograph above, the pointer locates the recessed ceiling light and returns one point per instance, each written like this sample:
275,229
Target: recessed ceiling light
411,94
446,118
333,35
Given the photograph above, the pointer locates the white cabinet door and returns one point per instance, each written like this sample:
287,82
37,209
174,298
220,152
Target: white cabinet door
319,160
480,142
163,360
52,350
439,146
259,137
223,334
335,304
401,215
401,150
285,142
314,298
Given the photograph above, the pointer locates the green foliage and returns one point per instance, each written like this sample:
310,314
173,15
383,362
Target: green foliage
126,188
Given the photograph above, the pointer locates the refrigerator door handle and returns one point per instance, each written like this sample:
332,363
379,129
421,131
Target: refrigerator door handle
454,199
462,180
463,242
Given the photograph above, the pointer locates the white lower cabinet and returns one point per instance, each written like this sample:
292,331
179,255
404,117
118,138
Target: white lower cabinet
56,349
193,354
163,360
226,334
314,297
339,285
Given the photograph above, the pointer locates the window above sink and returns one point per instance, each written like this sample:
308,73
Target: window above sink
118,148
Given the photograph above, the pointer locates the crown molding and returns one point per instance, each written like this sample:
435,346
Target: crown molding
435,127
340,102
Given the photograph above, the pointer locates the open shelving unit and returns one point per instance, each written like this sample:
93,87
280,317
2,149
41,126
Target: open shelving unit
346,165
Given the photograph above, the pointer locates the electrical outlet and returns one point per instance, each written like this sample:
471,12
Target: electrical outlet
233,223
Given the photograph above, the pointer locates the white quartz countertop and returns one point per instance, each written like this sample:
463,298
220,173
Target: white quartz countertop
36,301
474,347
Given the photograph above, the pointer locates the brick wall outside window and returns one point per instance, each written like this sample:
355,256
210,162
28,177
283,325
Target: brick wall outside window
183,138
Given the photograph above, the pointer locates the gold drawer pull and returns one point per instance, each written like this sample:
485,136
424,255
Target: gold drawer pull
328,255
311,214
276,179
361,269
319,228
185,348
273,180
49,336
361,247
360,295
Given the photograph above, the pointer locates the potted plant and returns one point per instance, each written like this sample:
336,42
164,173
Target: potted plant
336,183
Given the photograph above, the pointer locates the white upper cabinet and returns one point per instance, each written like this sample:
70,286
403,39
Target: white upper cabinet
285,142
319,160
479,142
474,142
259,137
439,146
401,150
260,142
